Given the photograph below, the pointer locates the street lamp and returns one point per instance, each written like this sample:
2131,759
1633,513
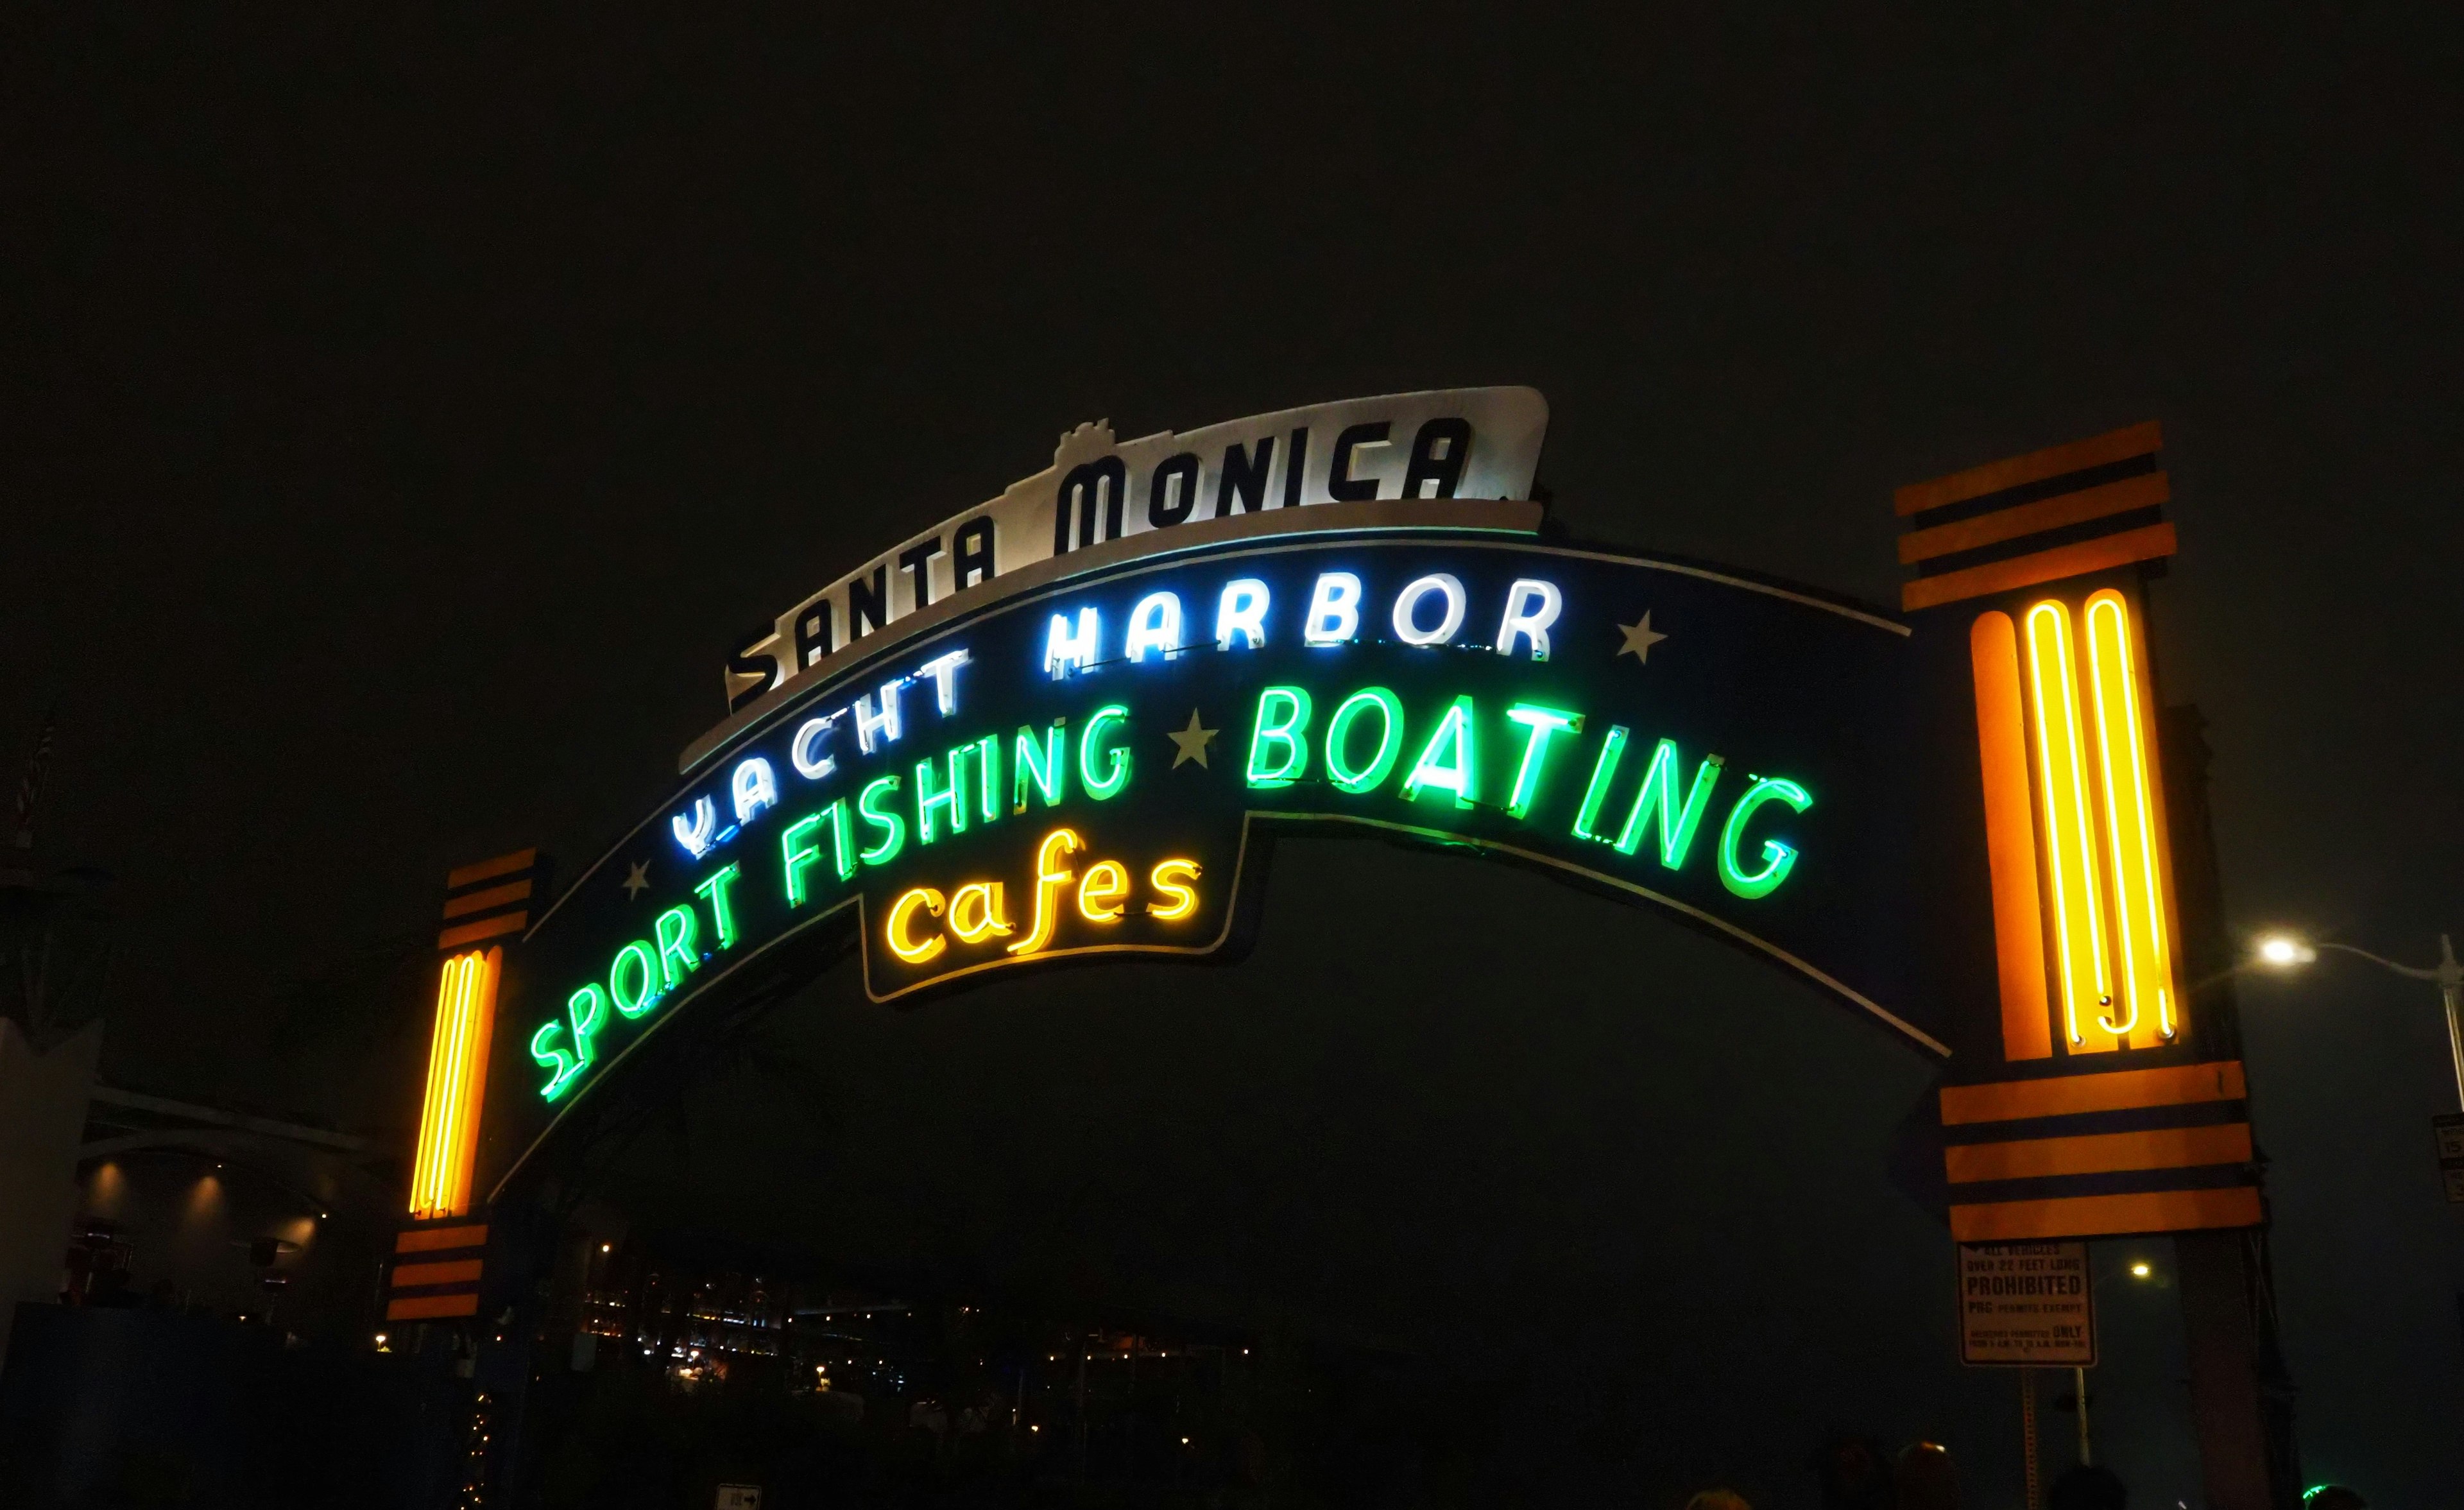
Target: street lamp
2283,951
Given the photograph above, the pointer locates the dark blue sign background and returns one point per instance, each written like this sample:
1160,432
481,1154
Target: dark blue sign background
1155,766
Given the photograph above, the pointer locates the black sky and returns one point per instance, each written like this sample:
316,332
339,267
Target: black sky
403,414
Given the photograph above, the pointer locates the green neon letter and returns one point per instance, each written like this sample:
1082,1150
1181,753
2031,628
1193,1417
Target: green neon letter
987,752
1658,795
586,1010
1540,725
894,828
1450,761
1603,771
722,915
677,931
1116,774
841,848
1283,718
644,995
799,855
1779,859
1041,760
562,1066
949,798
1390,738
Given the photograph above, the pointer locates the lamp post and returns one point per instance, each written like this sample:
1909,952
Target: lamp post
2285,952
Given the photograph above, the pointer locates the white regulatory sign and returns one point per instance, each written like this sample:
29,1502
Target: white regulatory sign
740,1497
2026,1304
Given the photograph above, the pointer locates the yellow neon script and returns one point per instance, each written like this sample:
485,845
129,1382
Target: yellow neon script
1101,895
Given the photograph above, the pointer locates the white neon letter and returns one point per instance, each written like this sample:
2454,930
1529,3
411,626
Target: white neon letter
1334,611
1064,651
1155,624
695,837
944,672
1531,606
755,788
806,748
1242,610
1407,604
874,726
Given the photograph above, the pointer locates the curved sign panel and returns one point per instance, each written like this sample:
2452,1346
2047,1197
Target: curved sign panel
1087,760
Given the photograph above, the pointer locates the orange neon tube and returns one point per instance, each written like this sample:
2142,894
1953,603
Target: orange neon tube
2070,844
2131,830
2011,838
486,970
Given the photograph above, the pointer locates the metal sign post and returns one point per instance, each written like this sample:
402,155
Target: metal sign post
2028,1425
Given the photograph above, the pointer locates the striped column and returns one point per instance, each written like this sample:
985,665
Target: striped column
437,1260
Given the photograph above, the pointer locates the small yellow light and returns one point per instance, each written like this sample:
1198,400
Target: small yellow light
2139,1270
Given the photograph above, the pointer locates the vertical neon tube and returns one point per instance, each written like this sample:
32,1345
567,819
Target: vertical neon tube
482,976
2123,761
1603,771
2070,847
457,1069
423,1163
2011,838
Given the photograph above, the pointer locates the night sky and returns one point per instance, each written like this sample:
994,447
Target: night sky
405,414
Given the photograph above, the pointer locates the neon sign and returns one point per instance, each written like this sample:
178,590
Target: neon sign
1083,772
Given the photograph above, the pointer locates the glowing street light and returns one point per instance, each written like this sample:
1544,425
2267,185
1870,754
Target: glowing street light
2284,951
2141,1270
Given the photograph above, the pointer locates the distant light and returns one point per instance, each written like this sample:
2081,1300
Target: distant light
1034,1429
1184,1441
606,1248
2282,950
2139,1270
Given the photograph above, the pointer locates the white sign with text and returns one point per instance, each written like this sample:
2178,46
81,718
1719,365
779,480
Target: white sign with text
2026,1305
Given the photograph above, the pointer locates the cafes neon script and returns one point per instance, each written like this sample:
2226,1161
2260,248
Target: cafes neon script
1078,775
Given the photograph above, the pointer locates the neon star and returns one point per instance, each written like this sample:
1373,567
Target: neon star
637,880
1191,742
1638,639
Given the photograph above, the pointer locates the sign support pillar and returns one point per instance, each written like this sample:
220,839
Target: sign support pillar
2079,1385
2226,1404
2028,1425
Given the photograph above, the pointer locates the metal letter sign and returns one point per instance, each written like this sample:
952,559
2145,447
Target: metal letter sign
2026,1305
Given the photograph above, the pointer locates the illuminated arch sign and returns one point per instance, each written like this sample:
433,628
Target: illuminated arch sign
1953,821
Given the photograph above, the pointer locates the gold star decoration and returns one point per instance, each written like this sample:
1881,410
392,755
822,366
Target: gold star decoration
1190,744
637,880
1639,638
